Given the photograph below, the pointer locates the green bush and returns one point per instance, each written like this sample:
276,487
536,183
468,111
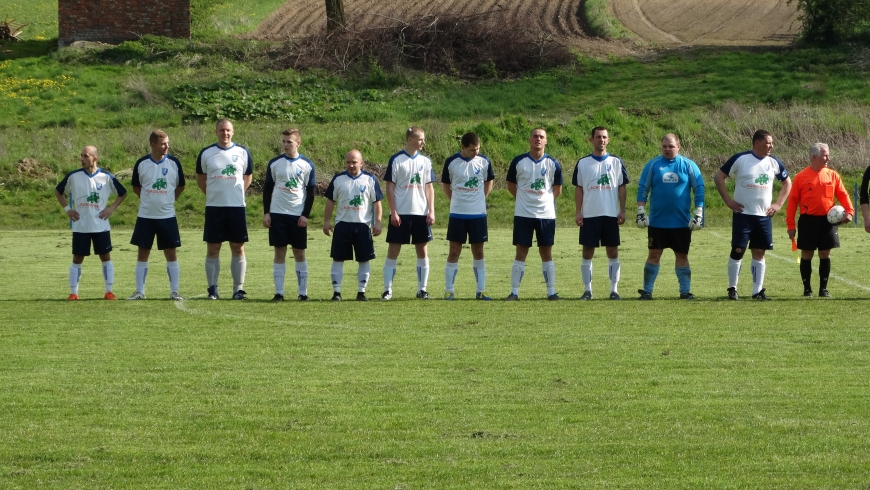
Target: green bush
835,21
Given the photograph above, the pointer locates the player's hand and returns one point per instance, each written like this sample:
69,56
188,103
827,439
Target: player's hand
104,214
620,218
395,220
791,234
267,220
846,219
697,222
303,222
327,228
640,219
430,218
73,215
579,220
734,206
773,209
377,228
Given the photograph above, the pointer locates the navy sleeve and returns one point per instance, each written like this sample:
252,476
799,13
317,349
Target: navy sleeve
576,175
309,200
624,173
249,170
781,173
388,175
490,175
864,196
726,168
135,180
120,189
379,196
445,174
331,189
199,169
312,177
268,188
512,170
557,175
61,186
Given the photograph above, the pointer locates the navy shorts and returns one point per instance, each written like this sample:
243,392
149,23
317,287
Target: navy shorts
352,238
754,231
412,230
474,229
166,231
600,231
285,231
543,229
225,224
81,243
815,233
676,239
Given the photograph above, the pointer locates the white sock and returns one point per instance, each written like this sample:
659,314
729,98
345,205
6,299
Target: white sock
389,274
480,274
450,271
212,270
422,274
733,272
517,271
174,273
758,269
586,273
302,277
362,275
109,274
238,267
278,272
549,271
613,267
75,275
141,274
336,272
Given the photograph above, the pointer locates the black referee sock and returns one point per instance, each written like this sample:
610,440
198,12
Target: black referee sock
806,273
824,272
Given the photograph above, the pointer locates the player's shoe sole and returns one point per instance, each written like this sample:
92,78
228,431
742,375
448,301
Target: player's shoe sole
137,295
110,296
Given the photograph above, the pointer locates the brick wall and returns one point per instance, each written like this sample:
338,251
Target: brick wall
113,21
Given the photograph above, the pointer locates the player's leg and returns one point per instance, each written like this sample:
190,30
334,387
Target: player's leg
611,241
827,237
546,233
300,263
279,271
389,270
456,236
341,250
422,250
590,239
364,250
806,243
103,247
740,229
238,269
759,269
168,241
81,248
173,271
760,240
824,273
681,240
477,236
650,268
143,239
522,240
213,235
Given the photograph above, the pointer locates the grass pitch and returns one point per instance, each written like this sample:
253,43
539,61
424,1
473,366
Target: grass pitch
411,394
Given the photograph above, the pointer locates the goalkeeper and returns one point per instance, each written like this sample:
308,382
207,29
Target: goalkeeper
667,182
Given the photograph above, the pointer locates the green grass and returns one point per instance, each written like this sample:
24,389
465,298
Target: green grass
601,22
39,15
405,394
214,18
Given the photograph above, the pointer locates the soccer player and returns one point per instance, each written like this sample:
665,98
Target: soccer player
753,173
467,180
89,189
535,181
357,196
667,183
411,197
599,197
812,195
223,173
288,195
158,181
864,199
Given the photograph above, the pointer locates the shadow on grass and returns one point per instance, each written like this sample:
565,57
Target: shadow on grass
11,50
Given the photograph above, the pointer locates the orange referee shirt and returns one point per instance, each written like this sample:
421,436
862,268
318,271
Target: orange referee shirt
814,192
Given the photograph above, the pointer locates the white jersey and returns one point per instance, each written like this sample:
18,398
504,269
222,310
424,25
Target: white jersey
158,181
410,174
466,178
753,177
89,194
600,178
354,196
224,169
535,180
290,177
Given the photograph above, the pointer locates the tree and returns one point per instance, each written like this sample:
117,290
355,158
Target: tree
834,20
334,14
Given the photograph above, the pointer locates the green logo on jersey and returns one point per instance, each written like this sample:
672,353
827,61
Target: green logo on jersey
357,201
762,179
416,178
472,183
160,184
538,185
94,197
292,183
229,170
604,180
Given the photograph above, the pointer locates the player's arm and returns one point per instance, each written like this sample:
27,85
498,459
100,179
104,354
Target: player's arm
200,182
578,205
138,191
306,208
246,180
794,200
74,215
447,190
104,214
395,220
719,180
201,176
327,216
780,199
268,189
557,191
512,188
490,179
430,203
622,193
557,180
379,213
844,200
179,185
512,177
487,188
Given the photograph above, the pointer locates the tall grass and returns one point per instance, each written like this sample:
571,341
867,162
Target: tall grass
601,22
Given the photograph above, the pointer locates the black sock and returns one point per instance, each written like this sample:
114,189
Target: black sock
824,272
806,273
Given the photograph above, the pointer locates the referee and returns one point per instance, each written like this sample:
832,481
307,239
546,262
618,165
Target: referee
813,194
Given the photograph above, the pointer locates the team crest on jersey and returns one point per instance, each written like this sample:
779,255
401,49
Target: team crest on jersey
477,170
543,170
420,167
362,189
164,171
670,178
235,158
299,172
608,168
99,187
767,167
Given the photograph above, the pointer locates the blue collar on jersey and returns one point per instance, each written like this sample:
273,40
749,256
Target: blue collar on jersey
601,158
227,148
98,170
537,161
409,155
155,161
289,159
756,156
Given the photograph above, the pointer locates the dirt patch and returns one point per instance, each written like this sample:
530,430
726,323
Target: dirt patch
33,169
710,22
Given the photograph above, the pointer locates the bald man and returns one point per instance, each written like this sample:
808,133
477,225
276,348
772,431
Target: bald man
356,197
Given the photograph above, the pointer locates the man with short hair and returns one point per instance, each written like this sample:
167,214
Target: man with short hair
411,198
599,198
288,196
89,189
158,181
753,173
223,173
467,180
668,182
356,196
535,181
812,195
